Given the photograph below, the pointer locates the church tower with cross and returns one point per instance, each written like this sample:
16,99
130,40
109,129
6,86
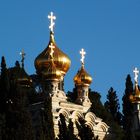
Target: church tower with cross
135,100
82,82
51,66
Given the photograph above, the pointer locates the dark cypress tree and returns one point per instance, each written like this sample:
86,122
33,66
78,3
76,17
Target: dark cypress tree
18,118
127,108
100,111
71,134
4,85
112,105
72,96
2,126
47,120
84,131
65,132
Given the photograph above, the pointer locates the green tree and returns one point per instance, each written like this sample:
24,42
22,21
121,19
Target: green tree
4,85
72,96
84,131
47,120
18,117
66,132
18,124
112,105
63,131
127,108
100,111
2,126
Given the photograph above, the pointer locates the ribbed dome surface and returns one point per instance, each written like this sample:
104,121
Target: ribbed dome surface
51,73
82,77
60,59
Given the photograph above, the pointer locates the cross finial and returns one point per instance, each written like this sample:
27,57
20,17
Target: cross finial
52,50
52,23
82,52
22,53
136,72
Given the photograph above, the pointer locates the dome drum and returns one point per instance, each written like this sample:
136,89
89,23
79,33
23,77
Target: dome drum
82,78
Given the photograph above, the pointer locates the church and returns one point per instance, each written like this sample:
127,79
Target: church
52,65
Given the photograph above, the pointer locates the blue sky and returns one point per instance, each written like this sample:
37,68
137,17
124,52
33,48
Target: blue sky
108,30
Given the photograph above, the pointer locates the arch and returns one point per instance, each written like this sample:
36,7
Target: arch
65,112
103,126
91,125
90,117
77,114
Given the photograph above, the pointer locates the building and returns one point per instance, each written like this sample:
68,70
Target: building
51,66
135,100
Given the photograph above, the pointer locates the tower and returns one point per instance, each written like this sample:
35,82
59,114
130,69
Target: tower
52,65
135,100
82,82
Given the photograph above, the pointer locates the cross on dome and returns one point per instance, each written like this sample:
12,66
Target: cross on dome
22,53
52,23
82,52
136,72
52,50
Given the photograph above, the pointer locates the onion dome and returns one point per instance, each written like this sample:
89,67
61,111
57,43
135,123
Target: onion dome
82,77
135,97
23,78
51,73
60,59
20,76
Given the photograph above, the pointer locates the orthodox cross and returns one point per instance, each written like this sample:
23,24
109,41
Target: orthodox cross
136,72
52,23
82,52
22,53
52,50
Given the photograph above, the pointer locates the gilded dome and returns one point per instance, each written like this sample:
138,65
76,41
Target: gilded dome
134,98
82,77
21,77
60,59
51,73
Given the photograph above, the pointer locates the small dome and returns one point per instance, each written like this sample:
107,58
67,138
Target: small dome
137,92
51,73
21,77
61,60
82,77
134,98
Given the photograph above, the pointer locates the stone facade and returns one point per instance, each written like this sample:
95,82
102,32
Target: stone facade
52,65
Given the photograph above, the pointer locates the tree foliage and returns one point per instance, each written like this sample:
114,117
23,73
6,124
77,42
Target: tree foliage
47,120
100,111
112,105
84,131
66,132
127,108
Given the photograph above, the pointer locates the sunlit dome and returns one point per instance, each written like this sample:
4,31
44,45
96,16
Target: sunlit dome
82,77
60,59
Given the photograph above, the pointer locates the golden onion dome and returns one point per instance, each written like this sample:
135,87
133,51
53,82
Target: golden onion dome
134,98
137,92
51,73
82,77
60,59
